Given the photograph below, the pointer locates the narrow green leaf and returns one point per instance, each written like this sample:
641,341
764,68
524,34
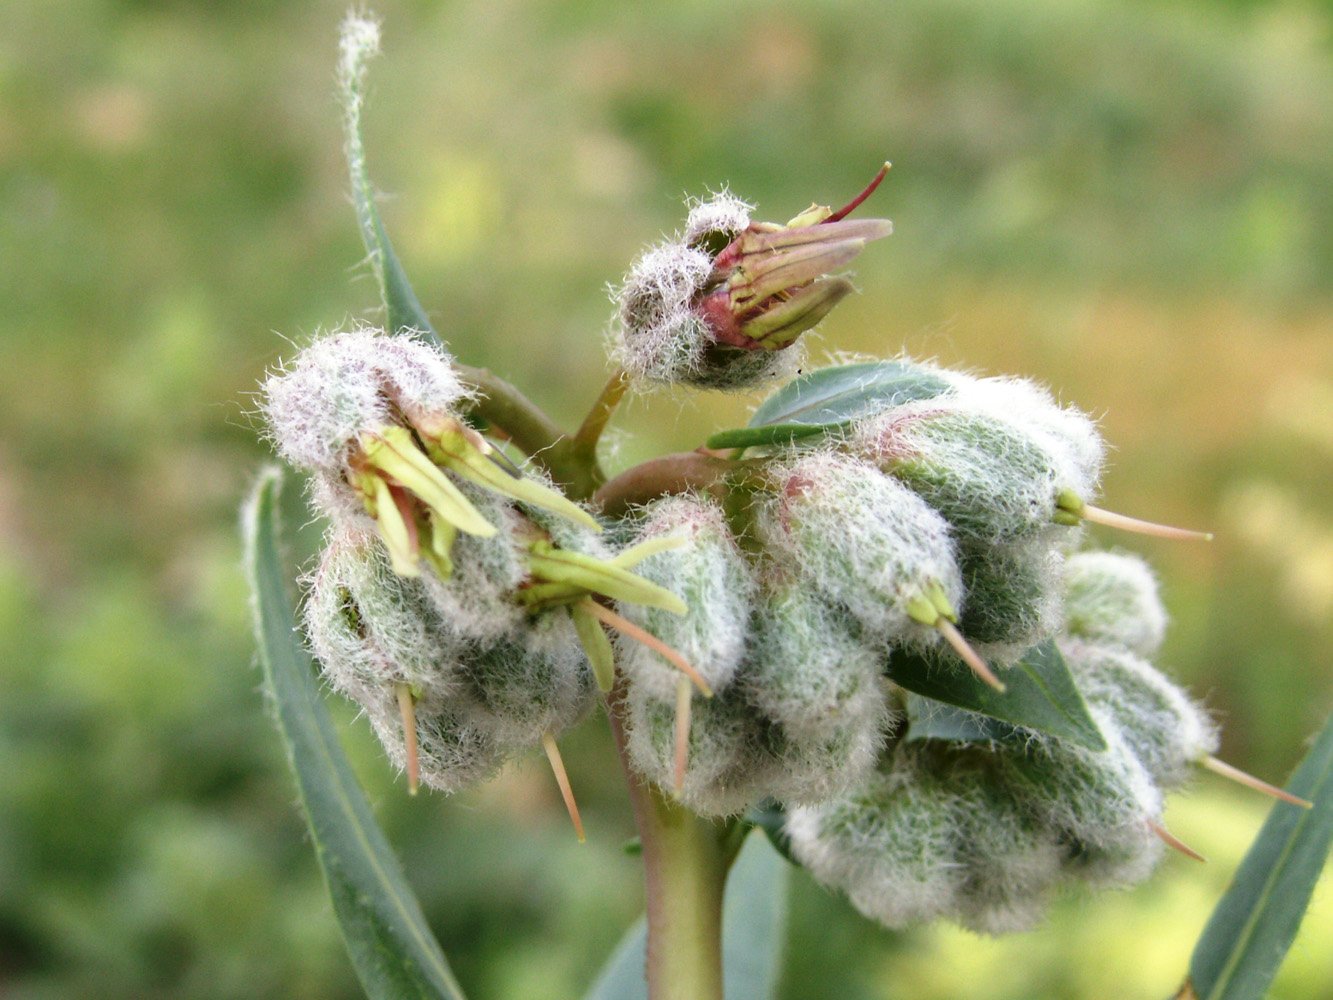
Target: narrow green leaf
1039,691
761,437
928,719
754,928
360,43
754,922
392,949
623,976
830,399
1256,921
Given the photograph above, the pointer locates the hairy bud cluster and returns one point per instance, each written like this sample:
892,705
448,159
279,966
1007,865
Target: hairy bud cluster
983,833
462,602
448,599
798,710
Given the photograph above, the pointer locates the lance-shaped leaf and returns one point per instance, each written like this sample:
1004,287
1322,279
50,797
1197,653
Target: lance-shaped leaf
831,399
1256,921
359,44
392,949
1039,691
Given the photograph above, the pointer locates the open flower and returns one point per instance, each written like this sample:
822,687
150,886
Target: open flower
711,308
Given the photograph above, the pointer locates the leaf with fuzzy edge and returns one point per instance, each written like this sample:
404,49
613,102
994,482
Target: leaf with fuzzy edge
1039,694
1255,923
360,43
830,399
392,949
754,926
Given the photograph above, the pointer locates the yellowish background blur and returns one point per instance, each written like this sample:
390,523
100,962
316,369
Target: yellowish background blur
1132,201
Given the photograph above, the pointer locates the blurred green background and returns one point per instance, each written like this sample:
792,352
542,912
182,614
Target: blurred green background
1132,201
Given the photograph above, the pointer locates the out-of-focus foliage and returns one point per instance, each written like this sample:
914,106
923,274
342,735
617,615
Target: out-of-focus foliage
1132,201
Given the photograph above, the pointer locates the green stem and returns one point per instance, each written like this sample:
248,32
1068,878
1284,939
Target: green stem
602,409
535,434
685,861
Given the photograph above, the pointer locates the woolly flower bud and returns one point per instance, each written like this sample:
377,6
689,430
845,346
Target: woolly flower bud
935,835
1111,598
1098,804
1160,723
716,307
709,573
374,632
479,581
726,762
1013,596
350,382
863,541
370,628
891,848
990,478
1064,430
809,672
532,682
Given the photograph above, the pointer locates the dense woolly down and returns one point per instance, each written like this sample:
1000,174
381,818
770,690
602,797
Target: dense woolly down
754,626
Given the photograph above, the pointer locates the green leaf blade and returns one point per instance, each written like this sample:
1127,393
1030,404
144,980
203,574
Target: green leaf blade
1254,924
1039,694
392,949
831,399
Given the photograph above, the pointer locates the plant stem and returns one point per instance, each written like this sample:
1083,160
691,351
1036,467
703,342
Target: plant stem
535,434
685,470
602,409
685,870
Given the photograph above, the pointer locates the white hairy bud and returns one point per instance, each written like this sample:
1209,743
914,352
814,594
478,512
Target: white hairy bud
863,541
1111,598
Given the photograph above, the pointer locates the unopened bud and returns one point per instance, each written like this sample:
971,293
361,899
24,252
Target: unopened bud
376,635
371,629
991,480
807,669
1065,431
1111,598
710,576
864,542
1095,803
1013,596
533,682
724,759
1161,724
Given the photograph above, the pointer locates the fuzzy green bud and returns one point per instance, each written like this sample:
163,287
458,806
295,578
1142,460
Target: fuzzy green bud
1098,804
1111,598
1165,728
991,480
709,574
374,631
1013,596
864,542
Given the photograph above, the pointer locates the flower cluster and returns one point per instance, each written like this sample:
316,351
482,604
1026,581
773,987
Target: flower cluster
756,624
982,832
